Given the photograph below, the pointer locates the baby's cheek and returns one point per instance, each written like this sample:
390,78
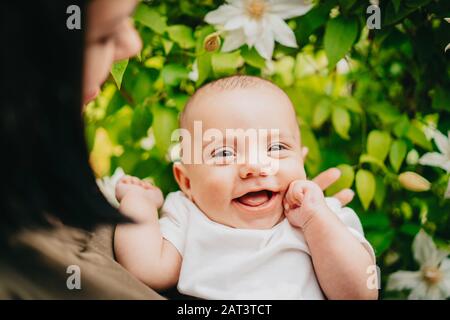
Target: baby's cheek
291,169
214,186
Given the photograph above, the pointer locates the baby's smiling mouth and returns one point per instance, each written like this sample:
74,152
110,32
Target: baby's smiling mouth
255,198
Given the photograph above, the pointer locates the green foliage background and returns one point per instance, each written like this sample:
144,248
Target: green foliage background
365,120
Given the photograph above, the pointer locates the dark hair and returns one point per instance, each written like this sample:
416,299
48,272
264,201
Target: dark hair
45,158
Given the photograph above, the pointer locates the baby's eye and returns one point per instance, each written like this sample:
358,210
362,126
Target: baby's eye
276,147
223,153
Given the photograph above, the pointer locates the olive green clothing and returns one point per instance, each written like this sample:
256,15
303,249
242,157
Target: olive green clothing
36,266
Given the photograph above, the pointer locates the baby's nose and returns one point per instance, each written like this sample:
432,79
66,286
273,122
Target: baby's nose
252,170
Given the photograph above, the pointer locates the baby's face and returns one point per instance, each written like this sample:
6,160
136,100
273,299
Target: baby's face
242,185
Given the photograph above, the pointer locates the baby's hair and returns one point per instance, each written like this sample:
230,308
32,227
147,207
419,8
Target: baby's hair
226,83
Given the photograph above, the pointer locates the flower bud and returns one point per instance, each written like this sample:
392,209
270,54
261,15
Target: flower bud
414,182
212,42
412,157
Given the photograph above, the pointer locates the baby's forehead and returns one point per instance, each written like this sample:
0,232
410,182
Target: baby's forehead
231,101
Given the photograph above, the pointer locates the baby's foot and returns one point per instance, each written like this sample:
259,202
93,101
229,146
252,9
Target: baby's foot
132,185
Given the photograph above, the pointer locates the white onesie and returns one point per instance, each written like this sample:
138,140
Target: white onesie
221,262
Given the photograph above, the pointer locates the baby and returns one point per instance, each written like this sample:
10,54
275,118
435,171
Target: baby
242,228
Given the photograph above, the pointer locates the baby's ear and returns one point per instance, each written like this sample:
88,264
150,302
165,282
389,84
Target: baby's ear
180,174
304,153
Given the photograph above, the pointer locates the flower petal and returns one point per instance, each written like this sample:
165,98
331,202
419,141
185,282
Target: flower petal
222,14
253,28
445,284
443,143
286,9
233,40
424,249
433,159
281,31
236,22
435,293
419,292
401,280
193,75
265,45
447,47
117,175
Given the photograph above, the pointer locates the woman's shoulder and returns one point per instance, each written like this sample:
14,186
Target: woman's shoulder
66,263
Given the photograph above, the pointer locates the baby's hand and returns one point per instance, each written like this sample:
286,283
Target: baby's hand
129,185
303,200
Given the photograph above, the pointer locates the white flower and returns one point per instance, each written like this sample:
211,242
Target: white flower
107,186
148,142
448,46
257,23
429,130
436,159
432,281
193,75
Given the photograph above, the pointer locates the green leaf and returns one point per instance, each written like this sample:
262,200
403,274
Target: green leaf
172,74
321,113
167,45
367,158
340,34
309,140
375,220
378,143
341,122
165,121
204,67
345,180
386,112
350,104
380,240
252,57
418,137
149,17
224,64
397,154
380,192
441,99
90,130
117,71
365,187
141,121
401,127
182,35
410,229
311,21
396,4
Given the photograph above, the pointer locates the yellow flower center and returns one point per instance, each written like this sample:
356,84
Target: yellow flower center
256,8
432,275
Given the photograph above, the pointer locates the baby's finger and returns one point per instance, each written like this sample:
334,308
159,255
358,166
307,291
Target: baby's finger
125,179
344,196
294,195
327,178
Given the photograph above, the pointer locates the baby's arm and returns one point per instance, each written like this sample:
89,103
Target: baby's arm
140,247
339,259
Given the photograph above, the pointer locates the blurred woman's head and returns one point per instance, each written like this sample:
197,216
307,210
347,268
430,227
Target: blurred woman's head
45,82
110,36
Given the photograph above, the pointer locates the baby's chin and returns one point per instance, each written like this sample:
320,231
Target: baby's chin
256,221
